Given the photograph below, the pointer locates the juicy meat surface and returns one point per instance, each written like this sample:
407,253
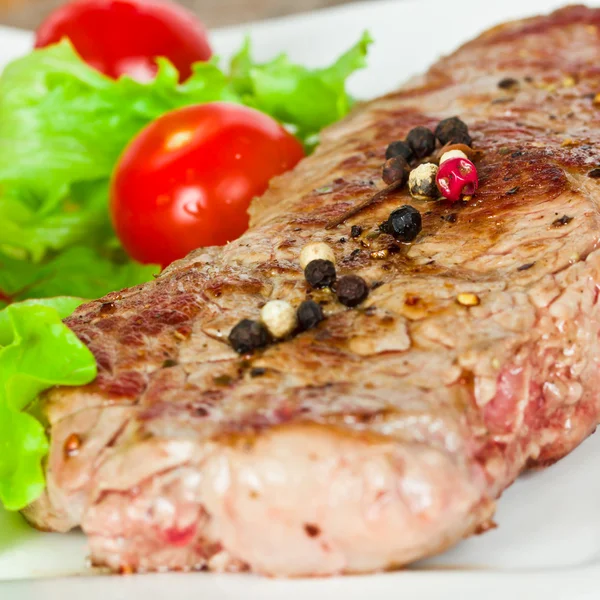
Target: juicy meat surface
387,433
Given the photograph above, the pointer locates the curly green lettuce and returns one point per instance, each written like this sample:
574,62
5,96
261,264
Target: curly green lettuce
37,352
307,99
63,126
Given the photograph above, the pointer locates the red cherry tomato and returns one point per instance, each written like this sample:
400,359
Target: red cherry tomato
120,37
187,179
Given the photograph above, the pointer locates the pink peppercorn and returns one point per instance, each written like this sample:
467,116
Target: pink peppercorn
457,178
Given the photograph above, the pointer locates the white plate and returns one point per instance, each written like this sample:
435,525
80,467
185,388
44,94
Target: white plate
548,541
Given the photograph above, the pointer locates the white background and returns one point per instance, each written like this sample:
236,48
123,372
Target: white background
548,541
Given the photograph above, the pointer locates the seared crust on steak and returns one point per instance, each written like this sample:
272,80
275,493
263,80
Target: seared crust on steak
385,434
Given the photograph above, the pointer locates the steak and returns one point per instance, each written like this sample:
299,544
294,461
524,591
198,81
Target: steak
386,433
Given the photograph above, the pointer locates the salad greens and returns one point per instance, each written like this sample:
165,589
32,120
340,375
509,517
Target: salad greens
63,126
309,100
37,351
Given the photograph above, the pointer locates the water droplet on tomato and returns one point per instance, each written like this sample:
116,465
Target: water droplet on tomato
191,200
178,139
192,208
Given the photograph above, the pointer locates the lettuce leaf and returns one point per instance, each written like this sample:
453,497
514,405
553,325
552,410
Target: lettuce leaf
78,271
63,305
37,352
308,99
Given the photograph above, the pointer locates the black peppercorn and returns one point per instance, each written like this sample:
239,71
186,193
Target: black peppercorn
395,170
404,223
399,149
310,314
453,131
355,231
594,173
351,290
422,141
462,138
526,266
247,336
508,83
320,273
564,220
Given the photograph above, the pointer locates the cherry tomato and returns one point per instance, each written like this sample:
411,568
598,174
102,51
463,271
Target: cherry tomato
120,37
187,179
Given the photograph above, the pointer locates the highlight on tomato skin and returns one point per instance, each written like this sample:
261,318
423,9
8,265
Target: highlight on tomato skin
119,37
187,180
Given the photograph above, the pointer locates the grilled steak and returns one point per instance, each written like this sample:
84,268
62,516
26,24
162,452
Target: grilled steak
386,433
